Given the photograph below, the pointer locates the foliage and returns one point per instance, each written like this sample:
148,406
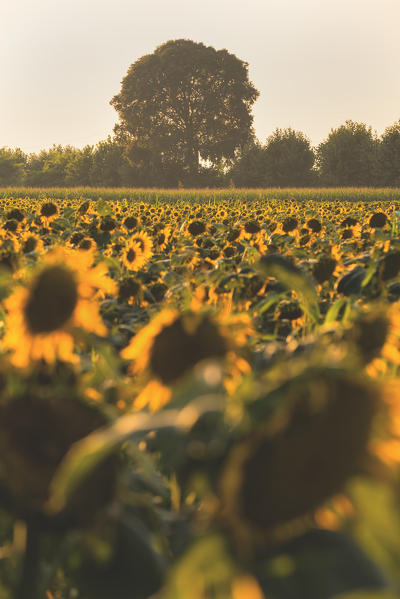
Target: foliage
389,156
12,166
288,159
348,156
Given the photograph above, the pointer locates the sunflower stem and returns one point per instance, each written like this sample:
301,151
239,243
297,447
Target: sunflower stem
28,583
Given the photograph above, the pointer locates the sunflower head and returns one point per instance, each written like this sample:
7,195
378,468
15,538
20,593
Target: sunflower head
132,256
131,222
252,227
196,227
289,224
369,333
314,224
15,214
303,455
35,434
52,300
180,345
324,269
129,288
31,243
49,210
378,220
108,224
44,313
11,225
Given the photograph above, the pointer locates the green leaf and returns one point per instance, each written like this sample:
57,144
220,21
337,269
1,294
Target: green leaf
93,449
334,310
294,278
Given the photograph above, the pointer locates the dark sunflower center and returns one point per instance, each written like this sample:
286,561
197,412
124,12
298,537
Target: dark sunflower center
30,245
52,300
131,255
176,350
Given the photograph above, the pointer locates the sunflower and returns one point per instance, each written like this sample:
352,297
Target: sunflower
49,211
145,244
161,238
173,343
36,431
273,480
57,300
30,242
132,256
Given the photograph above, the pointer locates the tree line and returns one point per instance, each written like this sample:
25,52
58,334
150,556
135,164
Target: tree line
352,155
185,121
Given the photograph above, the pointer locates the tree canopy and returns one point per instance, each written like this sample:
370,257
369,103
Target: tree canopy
349,155
183,104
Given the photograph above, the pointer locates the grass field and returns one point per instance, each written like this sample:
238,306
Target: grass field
200,392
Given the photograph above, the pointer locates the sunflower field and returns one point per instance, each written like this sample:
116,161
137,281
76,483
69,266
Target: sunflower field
200,395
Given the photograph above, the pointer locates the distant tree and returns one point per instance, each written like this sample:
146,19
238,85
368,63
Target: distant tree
108,164
348,156
49,167
248,169
12,166
184,104
288,159
389,157
78,168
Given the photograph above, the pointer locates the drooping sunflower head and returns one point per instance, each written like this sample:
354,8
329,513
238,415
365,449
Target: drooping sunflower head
180,345
314,224
131,222
36,433
173,343
196,227
49,210
302,455
289,224
378,220
129,288
16,214
11,225
31,243
369,333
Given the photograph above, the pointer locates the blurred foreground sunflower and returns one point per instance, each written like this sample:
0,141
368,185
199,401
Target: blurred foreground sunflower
58,299
173,343
275,478
36,432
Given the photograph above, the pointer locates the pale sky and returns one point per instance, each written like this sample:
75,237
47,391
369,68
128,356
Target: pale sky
316,63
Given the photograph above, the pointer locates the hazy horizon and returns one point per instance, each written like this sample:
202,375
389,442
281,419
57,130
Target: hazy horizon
315,64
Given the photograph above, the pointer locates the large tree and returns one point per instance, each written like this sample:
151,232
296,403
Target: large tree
185,103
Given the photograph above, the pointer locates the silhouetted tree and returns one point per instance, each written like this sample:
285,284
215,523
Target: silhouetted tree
184,104
389,157
288,159
349,156
12,166
249,167
79,167
107,164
